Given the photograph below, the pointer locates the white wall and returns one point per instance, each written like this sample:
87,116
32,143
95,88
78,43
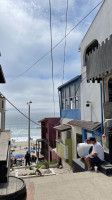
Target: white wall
90,92
100,29
74,130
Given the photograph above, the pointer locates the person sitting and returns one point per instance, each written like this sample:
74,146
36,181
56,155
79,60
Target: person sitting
97,154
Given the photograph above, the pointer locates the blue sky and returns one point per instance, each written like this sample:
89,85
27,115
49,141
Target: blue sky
25,37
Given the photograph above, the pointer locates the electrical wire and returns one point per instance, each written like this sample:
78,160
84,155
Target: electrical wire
18,110
65,40
47,53
30,118
52,63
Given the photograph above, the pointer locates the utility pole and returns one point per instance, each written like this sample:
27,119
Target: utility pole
29,126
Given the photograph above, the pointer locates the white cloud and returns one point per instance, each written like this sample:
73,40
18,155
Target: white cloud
25,37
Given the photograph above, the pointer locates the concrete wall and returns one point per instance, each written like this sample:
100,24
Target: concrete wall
74,130
90,92
100,29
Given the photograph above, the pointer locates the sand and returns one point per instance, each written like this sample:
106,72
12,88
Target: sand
21,146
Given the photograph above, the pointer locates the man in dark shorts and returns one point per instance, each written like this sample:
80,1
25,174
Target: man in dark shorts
97,154
27,157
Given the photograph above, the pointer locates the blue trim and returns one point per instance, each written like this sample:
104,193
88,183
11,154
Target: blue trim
71,114
84,134
97,132
73,81
102,129
59,95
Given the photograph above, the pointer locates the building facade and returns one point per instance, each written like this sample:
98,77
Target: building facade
7,182
70,109
91,115
48,138
96,62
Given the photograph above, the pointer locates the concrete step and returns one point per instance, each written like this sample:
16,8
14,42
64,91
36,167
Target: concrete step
78,165
105,168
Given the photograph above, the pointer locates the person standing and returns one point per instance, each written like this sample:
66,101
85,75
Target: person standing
27,157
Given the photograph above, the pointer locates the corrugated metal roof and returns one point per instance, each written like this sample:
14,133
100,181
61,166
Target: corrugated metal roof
63,127
70,81
89,125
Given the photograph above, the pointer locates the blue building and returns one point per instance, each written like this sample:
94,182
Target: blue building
73,127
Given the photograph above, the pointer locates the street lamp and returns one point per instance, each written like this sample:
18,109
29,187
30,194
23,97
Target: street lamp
29,126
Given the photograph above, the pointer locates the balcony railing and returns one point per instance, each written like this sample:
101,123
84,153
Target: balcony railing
99,61
62,150
65,150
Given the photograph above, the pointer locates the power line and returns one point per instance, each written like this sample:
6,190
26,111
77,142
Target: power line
19,110
42,57
27,116
65,39
52,53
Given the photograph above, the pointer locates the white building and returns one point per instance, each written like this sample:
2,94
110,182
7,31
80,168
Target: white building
96,64
93,116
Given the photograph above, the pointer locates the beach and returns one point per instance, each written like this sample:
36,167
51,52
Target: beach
21,147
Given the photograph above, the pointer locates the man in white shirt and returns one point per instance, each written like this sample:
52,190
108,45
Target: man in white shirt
97,154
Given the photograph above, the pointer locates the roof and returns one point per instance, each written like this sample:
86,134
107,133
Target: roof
2,78
40,140
70,81
48,118
89,125
63,127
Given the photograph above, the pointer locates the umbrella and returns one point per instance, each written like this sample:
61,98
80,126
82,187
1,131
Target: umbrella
19,156
31,150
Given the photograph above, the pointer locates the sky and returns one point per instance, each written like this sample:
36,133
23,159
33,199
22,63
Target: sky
25,38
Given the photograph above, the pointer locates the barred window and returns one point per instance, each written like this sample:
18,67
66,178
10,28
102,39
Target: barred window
70,97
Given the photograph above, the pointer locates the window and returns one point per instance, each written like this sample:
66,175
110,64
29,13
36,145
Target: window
67,103
2,104
110,89
90,48
63,99
75,96
70,97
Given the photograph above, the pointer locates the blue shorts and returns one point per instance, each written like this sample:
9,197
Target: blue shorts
95,160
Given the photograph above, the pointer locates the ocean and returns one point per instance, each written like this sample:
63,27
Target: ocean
18,125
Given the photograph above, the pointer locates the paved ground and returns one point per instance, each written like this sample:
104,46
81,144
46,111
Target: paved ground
69,186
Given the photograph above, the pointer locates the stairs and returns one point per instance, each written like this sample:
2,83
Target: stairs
79,165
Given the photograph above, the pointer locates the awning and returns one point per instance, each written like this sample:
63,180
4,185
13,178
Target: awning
42,140
89,125
63,127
